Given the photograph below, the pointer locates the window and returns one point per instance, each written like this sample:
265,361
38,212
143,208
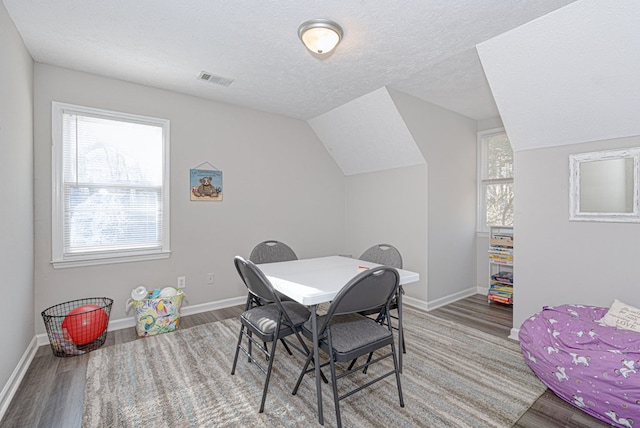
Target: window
110,187
495,180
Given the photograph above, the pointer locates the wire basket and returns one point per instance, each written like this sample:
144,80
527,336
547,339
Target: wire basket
78,326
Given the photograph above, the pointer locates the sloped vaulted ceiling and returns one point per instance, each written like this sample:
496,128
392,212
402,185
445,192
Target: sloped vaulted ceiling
367,134
568,77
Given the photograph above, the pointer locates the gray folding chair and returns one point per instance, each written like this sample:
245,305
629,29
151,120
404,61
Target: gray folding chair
385,254
271,252
273,320
344,334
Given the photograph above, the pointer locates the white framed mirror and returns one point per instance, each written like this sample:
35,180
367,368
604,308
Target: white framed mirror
603,186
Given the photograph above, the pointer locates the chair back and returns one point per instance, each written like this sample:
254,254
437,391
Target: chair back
383,254
373,288
271,252
255,280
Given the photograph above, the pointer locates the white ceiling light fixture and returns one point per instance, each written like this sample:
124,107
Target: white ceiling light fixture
320,36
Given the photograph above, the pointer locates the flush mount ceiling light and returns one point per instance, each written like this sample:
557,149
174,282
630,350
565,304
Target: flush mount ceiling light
320,36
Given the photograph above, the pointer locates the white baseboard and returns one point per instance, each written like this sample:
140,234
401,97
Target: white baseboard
210,306
435,304
16,377
515,334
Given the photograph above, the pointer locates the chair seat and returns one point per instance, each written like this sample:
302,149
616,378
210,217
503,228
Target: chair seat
263,319
352,335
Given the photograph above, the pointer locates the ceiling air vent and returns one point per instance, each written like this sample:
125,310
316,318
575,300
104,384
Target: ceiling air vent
212,78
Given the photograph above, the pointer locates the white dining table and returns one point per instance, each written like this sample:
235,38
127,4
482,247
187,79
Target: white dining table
318,280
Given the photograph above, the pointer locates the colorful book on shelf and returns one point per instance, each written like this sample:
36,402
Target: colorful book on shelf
497,250
502,236
499,293
503,276
500,299
501,296
499,289
501,285
501,260
501,256
501,243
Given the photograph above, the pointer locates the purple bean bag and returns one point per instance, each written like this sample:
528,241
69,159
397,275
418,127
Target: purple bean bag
584,362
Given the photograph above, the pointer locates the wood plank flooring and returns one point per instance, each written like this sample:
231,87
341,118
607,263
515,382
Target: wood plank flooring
52,393
548,411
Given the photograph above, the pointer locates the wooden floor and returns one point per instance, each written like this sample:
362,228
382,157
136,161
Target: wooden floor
52,392
549,410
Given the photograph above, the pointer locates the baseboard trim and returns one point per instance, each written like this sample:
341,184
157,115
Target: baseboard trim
16,377
210,306
515,334
435,304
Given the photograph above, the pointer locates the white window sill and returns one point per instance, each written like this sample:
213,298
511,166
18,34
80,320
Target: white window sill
79,262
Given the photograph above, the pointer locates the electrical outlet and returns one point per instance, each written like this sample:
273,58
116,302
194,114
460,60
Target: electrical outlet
182,282
210,278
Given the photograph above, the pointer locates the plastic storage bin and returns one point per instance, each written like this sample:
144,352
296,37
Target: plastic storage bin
157,315
78,326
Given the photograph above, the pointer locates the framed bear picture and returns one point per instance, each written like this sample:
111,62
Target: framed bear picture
206,184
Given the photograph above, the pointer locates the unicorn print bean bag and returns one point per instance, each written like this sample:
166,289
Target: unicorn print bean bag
584,361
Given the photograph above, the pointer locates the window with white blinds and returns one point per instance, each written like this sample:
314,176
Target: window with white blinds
111,191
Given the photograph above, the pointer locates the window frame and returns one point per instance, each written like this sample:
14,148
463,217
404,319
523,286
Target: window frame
482,229
58,257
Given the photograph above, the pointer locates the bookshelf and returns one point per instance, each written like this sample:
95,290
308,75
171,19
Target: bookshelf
501,265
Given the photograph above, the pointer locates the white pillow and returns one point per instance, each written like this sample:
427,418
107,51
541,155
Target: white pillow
623,316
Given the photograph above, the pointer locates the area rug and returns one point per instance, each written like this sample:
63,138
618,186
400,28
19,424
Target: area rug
453,376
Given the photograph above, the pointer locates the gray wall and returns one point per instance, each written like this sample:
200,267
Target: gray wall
390,207
279,183
448,143
558,261
427,211
16,193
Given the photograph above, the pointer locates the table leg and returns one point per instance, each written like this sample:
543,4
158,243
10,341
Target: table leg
400,335
316,362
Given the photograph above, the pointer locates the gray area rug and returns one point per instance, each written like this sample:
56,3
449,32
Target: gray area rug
453,376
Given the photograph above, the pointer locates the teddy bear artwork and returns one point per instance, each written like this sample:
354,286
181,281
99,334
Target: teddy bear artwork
206,185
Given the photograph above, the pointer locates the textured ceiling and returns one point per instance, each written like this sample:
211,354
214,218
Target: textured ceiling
424,48
569,77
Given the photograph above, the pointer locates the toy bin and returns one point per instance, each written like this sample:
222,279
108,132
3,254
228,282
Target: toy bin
157,315
78,326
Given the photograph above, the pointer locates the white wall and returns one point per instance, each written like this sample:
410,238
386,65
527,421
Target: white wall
279,183
568,77
558,261
16,193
